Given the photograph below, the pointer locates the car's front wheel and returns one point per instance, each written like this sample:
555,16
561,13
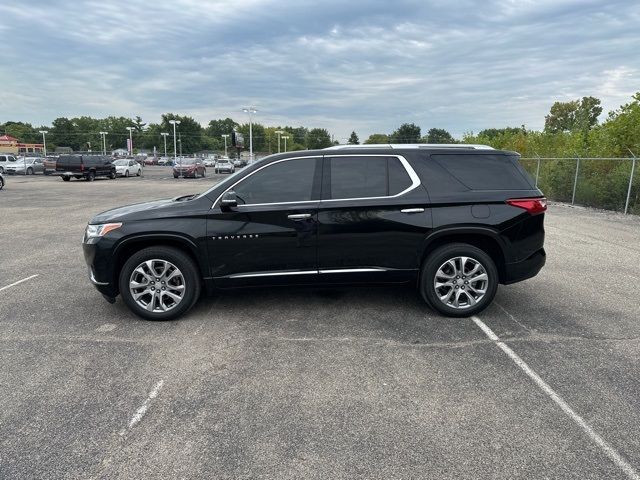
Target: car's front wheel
159,283
458,280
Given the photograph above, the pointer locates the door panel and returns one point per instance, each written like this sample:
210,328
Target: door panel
271,237
253,242
383,235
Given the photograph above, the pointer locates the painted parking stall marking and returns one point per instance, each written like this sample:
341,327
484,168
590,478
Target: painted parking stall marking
142,410
19,282
611,452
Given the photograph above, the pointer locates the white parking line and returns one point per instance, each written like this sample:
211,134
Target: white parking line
564,406
19,282
142,410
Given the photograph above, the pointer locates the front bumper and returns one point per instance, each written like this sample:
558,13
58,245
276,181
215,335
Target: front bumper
100,269
518,271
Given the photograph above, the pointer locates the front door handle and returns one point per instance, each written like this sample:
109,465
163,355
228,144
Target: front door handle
412,210
299,216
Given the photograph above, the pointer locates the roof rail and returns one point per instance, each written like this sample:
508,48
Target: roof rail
463,146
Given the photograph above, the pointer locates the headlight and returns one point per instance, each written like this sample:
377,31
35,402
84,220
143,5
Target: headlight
97,231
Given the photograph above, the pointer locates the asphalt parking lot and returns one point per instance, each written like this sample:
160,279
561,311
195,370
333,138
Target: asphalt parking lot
313,383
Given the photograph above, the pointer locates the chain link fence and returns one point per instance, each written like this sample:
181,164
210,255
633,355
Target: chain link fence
607,183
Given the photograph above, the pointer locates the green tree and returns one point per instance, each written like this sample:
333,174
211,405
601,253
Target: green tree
406,133
575,115
62,133
353,139
318,138
377,138
189,130
439,135
24,132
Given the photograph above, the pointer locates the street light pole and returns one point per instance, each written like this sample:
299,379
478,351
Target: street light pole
44,141
250,110
285,143
225,136
104,142
175,145
130,140
279,132
164,135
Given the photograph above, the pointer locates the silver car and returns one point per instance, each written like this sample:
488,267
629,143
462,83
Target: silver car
28,166
6,159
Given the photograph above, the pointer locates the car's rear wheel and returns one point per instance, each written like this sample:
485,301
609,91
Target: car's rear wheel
29,171
112,175
91,176
66,178
126,173
1,183
459,280
138,173
159,283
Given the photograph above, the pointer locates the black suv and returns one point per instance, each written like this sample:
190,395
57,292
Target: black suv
455,221
85,166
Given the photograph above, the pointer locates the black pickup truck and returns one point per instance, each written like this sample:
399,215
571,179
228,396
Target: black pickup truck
85,166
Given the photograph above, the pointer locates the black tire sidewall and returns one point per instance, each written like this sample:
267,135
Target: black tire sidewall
184,263
441,255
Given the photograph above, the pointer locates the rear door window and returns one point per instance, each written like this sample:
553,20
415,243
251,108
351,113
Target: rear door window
484,172
358,177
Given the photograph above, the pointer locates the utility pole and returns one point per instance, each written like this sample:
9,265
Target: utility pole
225,136
279,132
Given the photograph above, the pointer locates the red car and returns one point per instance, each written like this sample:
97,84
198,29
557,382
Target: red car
189,167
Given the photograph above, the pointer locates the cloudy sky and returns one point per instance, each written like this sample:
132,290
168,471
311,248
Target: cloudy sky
344,65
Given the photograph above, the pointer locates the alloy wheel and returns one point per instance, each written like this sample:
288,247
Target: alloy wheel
461,282
157,285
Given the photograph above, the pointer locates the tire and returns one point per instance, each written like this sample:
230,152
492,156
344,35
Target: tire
445,262
131,271
175,176
204,173
91,176
138,173
1,183
112,175
126,173
29,171
66,178
1,169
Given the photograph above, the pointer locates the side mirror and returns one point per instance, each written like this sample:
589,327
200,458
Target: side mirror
229,200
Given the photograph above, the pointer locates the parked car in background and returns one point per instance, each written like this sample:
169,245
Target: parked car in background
239,163
164,161
209,162
85,166
6,159
189,167
224,166
126,168
50,165
25,166
151,161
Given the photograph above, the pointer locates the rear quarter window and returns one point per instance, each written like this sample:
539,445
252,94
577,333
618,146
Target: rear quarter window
485,172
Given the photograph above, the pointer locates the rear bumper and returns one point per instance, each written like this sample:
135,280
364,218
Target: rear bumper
518,271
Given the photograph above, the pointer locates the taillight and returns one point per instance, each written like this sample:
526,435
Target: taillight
81,167
532,205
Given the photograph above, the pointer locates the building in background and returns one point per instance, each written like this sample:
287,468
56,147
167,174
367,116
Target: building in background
9,144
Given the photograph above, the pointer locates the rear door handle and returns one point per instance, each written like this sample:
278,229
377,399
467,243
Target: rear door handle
299,216
412,210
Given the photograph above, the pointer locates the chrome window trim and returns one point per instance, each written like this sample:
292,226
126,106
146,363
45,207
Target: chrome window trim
413,176
352,270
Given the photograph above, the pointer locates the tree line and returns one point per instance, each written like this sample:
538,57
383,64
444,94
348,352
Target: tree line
83,133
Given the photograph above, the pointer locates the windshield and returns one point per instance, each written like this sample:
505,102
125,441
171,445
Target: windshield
121,163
